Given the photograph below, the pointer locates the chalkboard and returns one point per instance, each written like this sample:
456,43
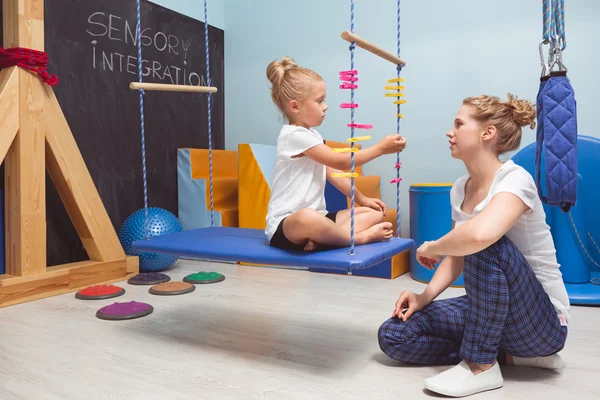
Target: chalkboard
91,46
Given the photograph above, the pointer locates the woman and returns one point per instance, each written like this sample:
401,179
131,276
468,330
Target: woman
516,307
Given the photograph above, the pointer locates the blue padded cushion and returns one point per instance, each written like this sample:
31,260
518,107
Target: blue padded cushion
557,141
252,246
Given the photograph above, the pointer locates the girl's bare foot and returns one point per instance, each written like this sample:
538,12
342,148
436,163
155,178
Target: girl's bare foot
311,246
377,233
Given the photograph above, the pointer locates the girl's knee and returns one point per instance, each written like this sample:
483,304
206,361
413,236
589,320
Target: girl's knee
373,215
306,216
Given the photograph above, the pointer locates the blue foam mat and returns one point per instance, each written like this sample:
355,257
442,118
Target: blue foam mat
251,245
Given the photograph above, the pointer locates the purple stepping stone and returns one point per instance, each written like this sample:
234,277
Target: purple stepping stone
149,278
120,311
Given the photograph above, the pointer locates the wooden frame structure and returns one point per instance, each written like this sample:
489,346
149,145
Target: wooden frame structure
34,135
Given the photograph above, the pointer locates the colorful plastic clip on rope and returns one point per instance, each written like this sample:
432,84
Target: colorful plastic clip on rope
358,139
349,105
396,180
347,85
360,126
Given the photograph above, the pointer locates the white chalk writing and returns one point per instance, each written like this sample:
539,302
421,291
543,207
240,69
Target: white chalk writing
103,26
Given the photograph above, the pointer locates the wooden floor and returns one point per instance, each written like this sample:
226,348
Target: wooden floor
261,334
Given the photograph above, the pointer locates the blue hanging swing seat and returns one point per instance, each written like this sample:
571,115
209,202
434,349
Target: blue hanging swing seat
252,246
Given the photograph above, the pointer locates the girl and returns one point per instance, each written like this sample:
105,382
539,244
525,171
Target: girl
516,307
297,217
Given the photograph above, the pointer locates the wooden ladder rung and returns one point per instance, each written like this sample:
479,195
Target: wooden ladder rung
164,87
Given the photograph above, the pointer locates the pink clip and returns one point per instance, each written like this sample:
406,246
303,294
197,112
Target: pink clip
398,165
350,72
347,85
360,126
396,180
348,78
349,105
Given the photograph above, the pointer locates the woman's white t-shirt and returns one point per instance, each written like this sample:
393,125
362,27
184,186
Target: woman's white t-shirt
531,234
298,181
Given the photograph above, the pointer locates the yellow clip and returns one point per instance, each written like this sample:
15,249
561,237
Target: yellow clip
359,138
344,175
394,88
399,115
394,95
345,150
400,102
395,80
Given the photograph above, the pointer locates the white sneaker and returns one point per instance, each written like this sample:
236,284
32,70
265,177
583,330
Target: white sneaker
459,381
553,361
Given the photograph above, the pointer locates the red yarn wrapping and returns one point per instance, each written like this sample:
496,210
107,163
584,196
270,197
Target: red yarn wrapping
33,60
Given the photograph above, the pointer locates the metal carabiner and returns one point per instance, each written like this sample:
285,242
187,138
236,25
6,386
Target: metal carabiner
558,49
546,67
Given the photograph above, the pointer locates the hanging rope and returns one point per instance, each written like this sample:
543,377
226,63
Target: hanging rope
352,47
398,117
397,93
553,34
141,92
32,60
208,83
142,127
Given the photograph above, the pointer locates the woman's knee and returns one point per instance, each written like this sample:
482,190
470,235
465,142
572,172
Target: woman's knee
395,340
501,253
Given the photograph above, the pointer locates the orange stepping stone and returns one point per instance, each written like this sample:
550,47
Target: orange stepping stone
172,288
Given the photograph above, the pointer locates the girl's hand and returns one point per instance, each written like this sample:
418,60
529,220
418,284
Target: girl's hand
392,144
374,203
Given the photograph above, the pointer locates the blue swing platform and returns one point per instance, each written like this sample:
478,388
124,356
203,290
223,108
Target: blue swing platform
252,246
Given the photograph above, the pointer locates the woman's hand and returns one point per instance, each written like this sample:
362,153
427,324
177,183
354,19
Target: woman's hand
374,203
407,304
426,257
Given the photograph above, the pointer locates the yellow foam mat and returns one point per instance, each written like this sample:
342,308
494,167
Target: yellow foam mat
253,190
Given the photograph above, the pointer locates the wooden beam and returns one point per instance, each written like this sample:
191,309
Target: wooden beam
23,23
76,188
378,51
25,181
9,109
163,87
64,279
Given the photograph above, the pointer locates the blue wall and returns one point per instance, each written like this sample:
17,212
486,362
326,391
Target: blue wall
486,46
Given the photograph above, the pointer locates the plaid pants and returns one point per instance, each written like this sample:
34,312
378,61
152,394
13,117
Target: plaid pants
505,310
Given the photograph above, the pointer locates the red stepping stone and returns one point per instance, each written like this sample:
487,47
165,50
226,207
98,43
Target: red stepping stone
100,292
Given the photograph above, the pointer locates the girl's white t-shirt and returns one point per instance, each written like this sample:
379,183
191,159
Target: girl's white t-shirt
530,234
298,181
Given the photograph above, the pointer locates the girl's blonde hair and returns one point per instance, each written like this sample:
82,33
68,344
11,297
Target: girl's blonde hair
289,82
507,116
